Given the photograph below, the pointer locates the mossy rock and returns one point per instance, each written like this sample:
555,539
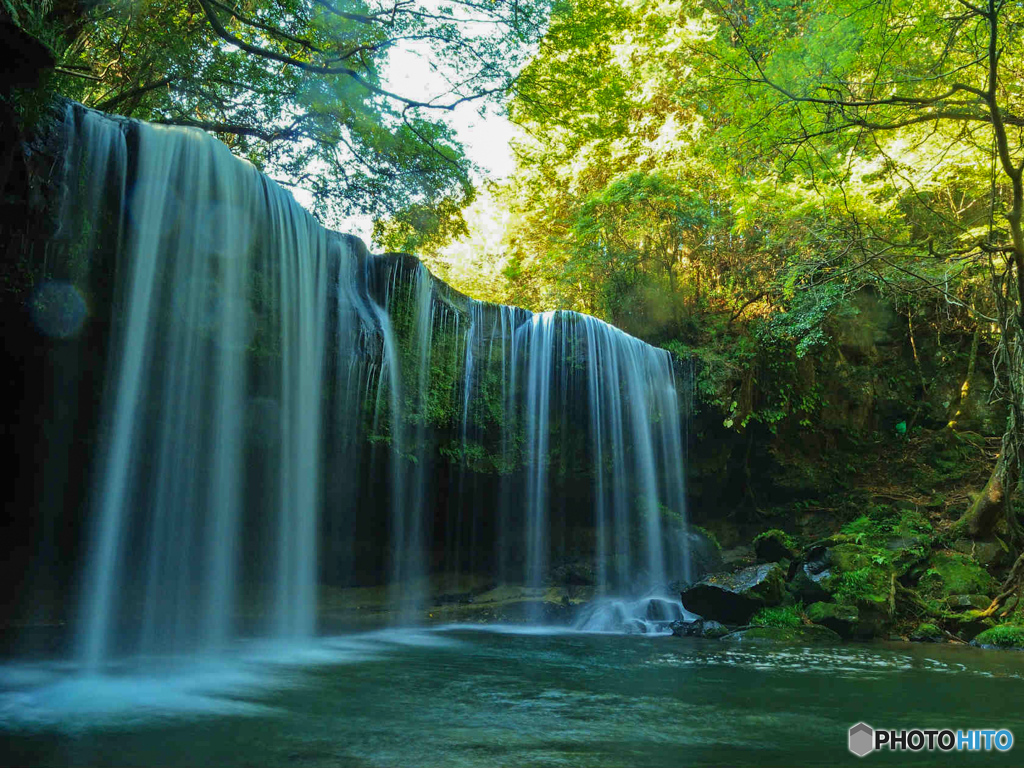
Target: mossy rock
862,577
971,624
1001,636
953,573
927,633
988,554
841,619
967,602
852,575
810,582
774,545
732,598
906,552
803,635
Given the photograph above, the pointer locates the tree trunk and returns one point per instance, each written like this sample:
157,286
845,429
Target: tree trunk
983,516
960,407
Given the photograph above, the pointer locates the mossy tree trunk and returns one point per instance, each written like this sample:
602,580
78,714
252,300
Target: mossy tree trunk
959,407
982,517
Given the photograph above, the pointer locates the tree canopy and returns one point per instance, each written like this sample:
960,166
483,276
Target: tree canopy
299,87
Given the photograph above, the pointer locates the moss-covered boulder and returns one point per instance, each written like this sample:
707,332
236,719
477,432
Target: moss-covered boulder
811,634
954,573
1002,636
988,554
959,603
841,619
732,598
970,624
810,583
852,575
927,633
907,552
774,545
863,577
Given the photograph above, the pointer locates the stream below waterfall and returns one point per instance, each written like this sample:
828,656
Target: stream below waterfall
461,696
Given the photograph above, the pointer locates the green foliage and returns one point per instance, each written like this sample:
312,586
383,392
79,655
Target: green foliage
298,88
855,586
732,219
31,16
862,529
782,616
804,323
781,536
883,523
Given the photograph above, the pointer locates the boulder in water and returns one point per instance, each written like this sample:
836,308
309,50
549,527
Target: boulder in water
732,598
709,629
805,635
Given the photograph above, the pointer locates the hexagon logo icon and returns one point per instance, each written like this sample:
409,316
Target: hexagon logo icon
862,739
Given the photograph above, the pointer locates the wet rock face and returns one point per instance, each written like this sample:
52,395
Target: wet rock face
812,577
705,554
732,598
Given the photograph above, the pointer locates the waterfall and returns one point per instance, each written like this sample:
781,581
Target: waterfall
284,413
216,263
538,339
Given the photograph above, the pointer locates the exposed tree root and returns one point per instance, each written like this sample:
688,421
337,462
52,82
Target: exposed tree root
1011,588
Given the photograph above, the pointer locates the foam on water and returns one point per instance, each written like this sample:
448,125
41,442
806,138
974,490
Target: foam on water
141,689
652,614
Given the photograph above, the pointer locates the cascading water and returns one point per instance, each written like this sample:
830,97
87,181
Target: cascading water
538,341
284,413
206,242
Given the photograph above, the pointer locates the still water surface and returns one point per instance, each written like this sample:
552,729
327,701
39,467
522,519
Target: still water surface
470,697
